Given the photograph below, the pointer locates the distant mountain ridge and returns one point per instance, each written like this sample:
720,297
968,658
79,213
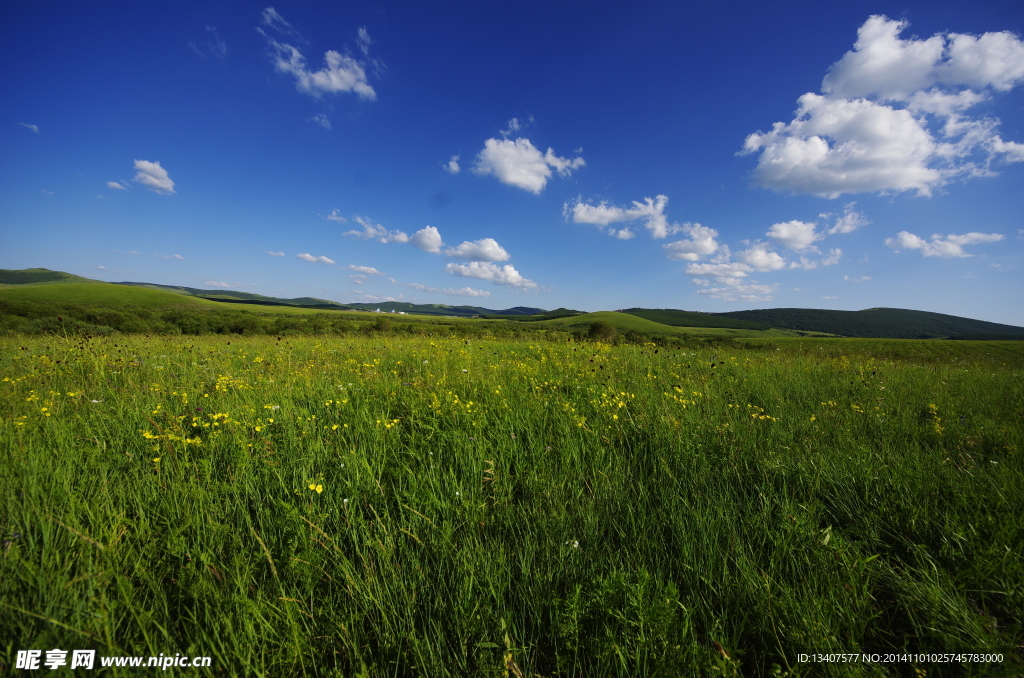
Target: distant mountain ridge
891,323
880,323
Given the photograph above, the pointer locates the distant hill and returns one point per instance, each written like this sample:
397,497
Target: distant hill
234,296
442,309
37,276
676,318
889,323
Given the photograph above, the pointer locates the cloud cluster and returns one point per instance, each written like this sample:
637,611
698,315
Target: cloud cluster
651,211
519,163
340,72
485,270
313,259
486,249
152,176
427,239
892,116
372,231
948,247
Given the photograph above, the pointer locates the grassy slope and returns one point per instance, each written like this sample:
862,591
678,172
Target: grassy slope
39,276
106,294
893,323
677,318
625,322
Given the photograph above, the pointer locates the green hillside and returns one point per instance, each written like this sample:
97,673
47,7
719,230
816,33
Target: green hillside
892,323
442,309
676,318
235,296
39,276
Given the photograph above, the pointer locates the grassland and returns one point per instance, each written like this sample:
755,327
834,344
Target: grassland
380,506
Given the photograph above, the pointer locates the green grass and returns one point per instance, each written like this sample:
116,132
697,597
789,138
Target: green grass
626,322
569,509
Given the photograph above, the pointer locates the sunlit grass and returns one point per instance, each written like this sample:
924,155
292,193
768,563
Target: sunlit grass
379,506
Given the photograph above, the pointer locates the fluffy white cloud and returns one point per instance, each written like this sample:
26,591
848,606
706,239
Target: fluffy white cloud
892,116
372,231
499,275
340,73
275,254
948,247
116,185
427,239
364,270
700,243
322,120
153,176
452,166
850,220
860,279
486,249
34,128
651,211
795,235
519,163
513,126
621,233
311,258
760,258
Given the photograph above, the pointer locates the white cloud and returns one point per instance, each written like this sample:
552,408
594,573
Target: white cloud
795,235
463,292
275,254
211,283
850,221
335,215
833,257
170,256
760,258
513,126
46,192
519,163
892,116
700,243
452,165
364,270
340,73
153,176
322,120
948,247
651,211
486,249
359,279
622,233
741,292
311,258
372,231
863,278
102,268
116,185
503,275
34,128
364,40
427,239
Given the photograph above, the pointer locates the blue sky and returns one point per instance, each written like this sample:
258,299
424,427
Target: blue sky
541,153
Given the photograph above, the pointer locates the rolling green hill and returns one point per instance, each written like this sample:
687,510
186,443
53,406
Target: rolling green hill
891,323
39,276
442,309
676,318
235,296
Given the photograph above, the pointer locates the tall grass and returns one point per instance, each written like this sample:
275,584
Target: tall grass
435,507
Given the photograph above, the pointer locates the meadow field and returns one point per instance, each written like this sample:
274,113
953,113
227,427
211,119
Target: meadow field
436,506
